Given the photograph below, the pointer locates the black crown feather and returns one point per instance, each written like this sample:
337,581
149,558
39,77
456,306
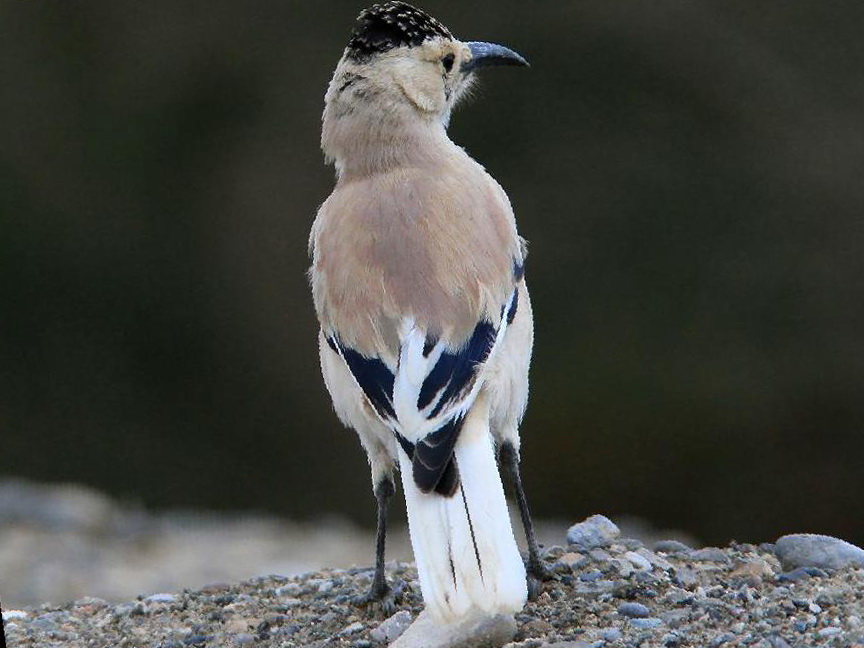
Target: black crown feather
386,26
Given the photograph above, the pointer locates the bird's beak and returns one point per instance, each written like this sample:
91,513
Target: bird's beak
487,54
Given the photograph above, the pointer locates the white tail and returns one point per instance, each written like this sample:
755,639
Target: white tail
463,545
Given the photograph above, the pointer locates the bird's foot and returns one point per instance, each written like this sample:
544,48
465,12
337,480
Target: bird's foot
539,570
381,596
535,587
537,573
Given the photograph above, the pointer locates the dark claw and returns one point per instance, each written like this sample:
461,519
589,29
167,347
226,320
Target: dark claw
534,588
381,596
539,570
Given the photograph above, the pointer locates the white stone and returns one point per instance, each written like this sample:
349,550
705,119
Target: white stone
812,550
351,629
639,562
476,631
392,628
595,531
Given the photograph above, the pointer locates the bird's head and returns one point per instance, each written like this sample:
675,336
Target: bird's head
403,67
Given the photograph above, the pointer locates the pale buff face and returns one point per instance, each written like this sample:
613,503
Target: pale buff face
426,78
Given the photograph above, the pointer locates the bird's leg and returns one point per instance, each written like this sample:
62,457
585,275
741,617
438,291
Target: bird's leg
536,567
380,591
383,493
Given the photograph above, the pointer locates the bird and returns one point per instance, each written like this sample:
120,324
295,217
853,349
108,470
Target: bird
426,328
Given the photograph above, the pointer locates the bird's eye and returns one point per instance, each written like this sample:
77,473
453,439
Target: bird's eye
447,62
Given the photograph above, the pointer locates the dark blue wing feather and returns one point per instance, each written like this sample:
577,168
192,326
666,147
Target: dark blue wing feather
455,371
433,455
373,376
518,269
449,381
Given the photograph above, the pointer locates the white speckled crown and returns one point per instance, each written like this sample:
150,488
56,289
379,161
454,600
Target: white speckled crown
385,26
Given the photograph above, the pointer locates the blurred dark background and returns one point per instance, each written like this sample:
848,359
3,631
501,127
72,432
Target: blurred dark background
689,176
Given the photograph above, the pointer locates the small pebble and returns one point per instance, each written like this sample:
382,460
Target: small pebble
425,632
830,631
655,560
671,547
721,639
92,602
776,641
392,627
595,531
686,577
675,618
802,573
645,578
591,576
633,610
572,559
611,634
237,625
639,562
679,597
709,554
599,556
624,568
811,550
350,629
646,624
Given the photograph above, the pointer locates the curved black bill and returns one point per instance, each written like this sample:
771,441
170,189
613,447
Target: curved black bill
488,54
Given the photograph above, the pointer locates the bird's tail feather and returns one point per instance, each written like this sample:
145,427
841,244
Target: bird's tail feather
464,547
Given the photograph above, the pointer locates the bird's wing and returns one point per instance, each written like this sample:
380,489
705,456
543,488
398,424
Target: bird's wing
424,399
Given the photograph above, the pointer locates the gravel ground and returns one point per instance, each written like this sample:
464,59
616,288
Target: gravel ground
608,591
62,542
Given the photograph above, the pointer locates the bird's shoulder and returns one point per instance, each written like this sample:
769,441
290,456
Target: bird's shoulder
447,203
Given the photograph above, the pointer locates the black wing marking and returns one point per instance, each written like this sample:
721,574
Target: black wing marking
446,394
451,381
373,376
447,481
454,372
433,459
